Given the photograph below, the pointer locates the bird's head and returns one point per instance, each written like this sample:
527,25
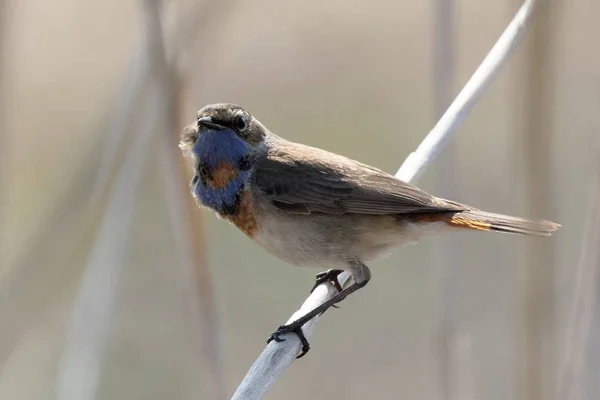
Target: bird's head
225,124
223,143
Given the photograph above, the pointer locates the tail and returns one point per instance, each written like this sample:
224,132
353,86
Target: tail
484,221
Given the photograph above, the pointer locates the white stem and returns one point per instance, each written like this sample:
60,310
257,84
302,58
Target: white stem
278,356
434,142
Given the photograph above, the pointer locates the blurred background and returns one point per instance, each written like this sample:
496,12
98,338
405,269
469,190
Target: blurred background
114,286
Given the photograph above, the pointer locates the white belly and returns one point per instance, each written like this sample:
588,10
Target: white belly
320,240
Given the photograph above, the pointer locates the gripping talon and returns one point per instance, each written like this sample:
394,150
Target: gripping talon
288,329
275,335
303,340
328,276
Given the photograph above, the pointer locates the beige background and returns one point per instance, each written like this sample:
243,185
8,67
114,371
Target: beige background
351,77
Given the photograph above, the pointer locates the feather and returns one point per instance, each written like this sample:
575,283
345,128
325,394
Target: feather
302,179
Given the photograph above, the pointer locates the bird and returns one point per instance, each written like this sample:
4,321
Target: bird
314,208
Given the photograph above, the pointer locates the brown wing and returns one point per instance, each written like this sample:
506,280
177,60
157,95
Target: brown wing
302,179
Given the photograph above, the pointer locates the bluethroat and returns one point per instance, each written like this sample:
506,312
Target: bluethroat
310,207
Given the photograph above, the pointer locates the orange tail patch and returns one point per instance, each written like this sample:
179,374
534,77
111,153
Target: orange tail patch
485,221
462,221
458,220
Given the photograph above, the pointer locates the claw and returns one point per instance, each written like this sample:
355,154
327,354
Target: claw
297,329
328,276
275,335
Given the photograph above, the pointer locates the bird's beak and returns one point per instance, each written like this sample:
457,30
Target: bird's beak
208,123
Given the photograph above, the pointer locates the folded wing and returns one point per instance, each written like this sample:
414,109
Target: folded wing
303,179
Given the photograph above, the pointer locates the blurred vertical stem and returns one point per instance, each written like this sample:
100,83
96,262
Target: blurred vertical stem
80,368
3,132
199,16
572,373
539,363
46,252
444,64
445,256
51,251
187,227
186,222
454,361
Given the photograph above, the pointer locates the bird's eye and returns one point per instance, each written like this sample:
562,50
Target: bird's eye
240,123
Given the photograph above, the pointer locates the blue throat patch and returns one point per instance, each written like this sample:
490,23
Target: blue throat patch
212,148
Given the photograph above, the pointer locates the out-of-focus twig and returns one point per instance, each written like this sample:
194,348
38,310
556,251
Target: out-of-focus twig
199,17
186,222
177,40
80,365
461,385
3,133
187,229
135,77
572,368
70,212
79,370
443,75
96,168
452,351
278,356
539,366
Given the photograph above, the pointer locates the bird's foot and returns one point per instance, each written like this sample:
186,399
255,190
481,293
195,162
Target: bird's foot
294,327
331,275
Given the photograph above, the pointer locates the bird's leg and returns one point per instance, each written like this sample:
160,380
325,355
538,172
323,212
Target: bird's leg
331,276
328,276
360,273
296,326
